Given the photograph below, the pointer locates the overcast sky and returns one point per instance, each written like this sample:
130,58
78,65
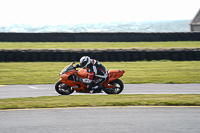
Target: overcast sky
42,12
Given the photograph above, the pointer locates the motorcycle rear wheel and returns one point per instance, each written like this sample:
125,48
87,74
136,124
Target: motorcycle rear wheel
119,86
63,88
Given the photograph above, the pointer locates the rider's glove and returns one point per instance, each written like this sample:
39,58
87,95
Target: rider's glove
77,65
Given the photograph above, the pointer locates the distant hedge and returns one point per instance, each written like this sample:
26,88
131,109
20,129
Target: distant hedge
104,55
99,37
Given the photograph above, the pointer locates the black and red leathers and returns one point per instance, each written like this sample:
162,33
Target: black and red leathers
97,74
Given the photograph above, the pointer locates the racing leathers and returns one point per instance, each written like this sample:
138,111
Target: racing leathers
97,75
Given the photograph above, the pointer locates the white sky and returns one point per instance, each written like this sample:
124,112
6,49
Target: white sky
41,12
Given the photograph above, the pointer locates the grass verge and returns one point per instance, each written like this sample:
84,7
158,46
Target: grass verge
99,45
136,72
101,100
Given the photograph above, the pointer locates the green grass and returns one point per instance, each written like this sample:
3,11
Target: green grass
98,45
136,72
101,100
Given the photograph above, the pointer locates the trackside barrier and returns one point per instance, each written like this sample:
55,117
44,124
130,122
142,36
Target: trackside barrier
99,36
105,55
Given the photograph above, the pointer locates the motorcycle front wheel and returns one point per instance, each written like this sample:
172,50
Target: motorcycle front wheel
119,86
63,88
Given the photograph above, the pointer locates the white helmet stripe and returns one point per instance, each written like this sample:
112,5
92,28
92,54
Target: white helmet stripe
95,70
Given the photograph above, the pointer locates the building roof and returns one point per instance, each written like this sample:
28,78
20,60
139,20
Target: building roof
196,20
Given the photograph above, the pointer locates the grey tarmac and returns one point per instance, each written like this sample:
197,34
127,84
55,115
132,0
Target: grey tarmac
16,91
100,120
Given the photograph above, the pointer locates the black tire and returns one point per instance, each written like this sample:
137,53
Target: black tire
119,86
63,88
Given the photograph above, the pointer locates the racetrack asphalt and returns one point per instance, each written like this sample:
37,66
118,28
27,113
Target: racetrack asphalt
102,120
16,91
98,120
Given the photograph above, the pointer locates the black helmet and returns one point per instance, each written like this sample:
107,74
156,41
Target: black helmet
85,61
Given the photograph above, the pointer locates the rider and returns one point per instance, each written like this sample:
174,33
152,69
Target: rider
97,73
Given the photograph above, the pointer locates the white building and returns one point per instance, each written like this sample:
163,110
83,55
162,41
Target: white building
195,24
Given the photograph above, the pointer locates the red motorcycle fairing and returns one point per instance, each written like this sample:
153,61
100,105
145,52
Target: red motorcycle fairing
82,73
113,75
67,77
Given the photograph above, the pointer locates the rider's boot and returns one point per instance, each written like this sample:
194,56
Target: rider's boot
93,90
101,88
97,89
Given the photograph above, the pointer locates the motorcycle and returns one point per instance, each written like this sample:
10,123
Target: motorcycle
68,82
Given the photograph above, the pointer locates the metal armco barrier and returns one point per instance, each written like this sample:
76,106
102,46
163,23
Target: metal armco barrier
99,37
109,55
